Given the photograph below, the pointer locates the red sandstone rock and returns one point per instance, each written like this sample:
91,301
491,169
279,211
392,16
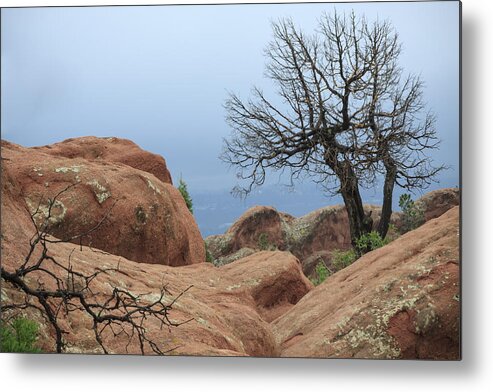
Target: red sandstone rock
254,224
399,301
312,235
322,230
231,306
146,219
110,149
435,203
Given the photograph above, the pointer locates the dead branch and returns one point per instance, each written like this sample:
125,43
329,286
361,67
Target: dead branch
56,289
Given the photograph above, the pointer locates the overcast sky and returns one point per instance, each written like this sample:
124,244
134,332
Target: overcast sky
159,75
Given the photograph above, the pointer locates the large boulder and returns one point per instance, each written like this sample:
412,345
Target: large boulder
259,228
110,149
324,229
399,301
136,215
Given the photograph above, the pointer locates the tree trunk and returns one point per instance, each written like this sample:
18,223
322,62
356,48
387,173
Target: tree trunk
388,189
359,223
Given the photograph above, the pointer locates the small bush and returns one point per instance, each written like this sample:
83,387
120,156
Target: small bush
263,242
370,241
208,255
182,187
413,215
321,272
19,336
341,259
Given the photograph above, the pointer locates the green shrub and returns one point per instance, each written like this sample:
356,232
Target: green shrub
341,259
208,255
19,336
370,241
263,242
321,272
182,187
413,214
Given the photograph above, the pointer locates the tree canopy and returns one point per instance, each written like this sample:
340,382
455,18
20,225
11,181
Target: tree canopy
346,115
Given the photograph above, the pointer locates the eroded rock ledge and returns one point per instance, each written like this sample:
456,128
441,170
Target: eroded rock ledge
399,301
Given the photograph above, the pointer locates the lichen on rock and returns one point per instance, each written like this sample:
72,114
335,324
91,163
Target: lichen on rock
69,169
42,212
101,193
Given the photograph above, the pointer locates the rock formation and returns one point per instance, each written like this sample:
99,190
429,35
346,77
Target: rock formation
143,218
110,149
311,237
399,301
435,203
229,308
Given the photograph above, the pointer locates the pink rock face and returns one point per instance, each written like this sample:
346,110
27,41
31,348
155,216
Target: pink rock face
143,218
399,301
257,226
230,308
322,230
110,149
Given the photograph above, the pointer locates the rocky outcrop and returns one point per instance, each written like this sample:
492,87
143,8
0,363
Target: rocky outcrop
260,228
435,203
110,149
399,301
137,215
257,228
229,308
312,237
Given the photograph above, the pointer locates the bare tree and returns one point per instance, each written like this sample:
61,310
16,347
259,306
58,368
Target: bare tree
56,289
347,116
